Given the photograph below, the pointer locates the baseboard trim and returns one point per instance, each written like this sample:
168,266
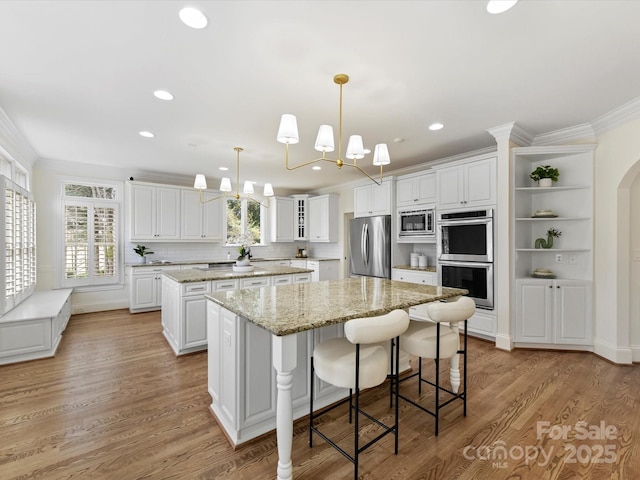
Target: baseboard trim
504,342
623,356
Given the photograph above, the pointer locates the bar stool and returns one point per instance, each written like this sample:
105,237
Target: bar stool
426,340
359,361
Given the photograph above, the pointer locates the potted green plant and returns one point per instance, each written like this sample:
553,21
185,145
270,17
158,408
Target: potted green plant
545,175
244,255
548,243
143,252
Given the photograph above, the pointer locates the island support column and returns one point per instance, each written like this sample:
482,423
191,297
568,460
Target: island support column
284,361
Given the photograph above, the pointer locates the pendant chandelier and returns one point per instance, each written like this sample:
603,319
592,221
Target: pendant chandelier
288,134
225,186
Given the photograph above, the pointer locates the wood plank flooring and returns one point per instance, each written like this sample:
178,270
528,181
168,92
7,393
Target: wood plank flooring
115,403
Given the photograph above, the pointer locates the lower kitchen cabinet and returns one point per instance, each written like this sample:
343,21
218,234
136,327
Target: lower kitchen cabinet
413,276
324,270
145,287
553,312
242,380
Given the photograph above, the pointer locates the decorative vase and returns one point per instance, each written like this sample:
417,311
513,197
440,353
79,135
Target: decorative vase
243,262
143,259
545,182
542,243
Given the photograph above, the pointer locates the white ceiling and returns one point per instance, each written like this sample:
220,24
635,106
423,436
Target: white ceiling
76,78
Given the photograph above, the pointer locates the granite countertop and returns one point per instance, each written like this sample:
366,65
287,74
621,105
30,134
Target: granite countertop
166,263
197,275
416,269
288,309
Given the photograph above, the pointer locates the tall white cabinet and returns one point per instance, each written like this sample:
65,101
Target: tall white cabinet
155,212
554,311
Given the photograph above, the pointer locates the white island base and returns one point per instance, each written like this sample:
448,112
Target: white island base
242,380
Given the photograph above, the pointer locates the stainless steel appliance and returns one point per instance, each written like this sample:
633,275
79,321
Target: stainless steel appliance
466,236
465,253
477,277
417,222
370,246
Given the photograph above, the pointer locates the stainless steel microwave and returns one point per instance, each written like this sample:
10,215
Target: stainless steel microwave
417,222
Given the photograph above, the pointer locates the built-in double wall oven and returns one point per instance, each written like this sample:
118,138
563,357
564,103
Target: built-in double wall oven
465,253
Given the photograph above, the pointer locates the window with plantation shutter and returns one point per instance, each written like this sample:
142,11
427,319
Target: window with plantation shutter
91,234
19,244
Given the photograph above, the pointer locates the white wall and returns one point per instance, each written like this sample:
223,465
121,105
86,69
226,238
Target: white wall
617,166
634,282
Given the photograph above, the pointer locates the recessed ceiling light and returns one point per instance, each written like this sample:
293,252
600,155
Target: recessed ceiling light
224,169
163,95
500,6
193,17
147,134
436,126
316,168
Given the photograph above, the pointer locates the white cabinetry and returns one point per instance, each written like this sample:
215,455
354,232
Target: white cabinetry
241,377
145,287
282,219
300,217
324,270
323,218
412,276
34,328
467,185
370,200
554,311
416,189
200,221
154,212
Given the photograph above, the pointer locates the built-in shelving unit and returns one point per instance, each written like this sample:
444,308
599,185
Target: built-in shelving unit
554,311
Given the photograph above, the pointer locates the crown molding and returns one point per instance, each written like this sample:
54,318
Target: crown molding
14,143
513,132
617,117
577,133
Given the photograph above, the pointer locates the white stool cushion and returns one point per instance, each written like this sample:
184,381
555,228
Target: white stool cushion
420,340
334,362
451,312
377,329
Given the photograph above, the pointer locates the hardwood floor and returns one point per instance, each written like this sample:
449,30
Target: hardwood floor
115,403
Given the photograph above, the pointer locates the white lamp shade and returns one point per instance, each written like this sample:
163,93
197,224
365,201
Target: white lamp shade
288,131
324,140
200,182
355,149
381,155
248,188
225,185
268,190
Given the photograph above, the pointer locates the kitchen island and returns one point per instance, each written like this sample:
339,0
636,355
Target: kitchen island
250,330
184,308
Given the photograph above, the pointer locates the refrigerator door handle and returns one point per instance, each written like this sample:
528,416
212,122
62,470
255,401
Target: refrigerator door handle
365,243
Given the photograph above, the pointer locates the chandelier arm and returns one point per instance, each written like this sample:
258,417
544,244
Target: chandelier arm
286,160
365,173
258,201
211,199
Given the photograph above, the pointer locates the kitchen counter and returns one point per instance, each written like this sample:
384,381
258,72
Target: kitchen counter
296,308
205,275
416,269
157,263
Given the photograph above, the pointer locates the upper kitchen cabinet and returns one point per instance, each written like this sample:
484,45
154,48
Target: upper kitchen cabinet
282,219
416,189
300,217
323,218
154,212
467,184
371,199
201,221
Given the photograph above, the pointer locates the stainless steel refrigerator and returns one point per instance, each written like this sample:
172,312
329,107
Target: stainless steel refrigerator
370,246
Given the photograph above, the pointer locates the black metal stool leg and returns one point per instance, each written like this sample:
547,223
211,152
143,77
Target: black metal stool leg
311,406
437,409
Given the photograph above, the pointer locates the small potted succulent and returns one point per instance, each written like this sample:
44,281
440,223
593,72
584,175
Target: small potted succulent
548,243
143,252
545,175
